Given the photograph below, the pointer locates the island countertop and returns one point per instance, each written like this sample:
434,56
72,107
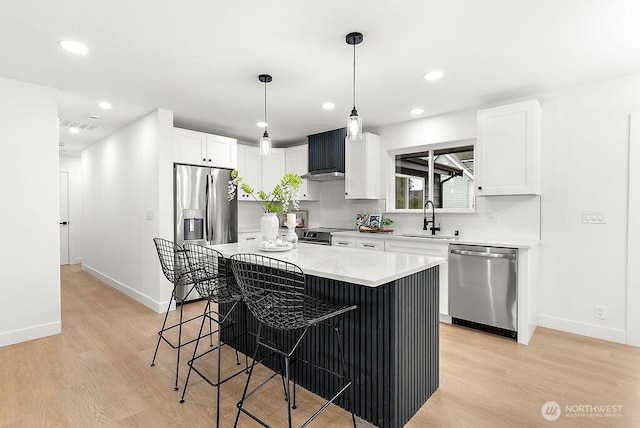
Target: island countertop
363,267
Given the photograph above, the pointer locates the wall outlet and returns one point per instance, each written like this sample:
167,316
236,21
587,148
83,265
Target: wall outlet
490,215
601,312
594,216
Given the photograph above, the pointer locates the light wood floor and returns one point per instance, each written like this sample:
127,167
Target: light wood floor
97,373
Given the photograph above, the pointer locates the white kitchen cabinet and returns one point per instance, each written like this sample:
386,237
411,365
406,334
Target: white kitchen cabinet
437,249
296,162
250,169
249,237
507,152
343,241
272,169
370,244
199,148
362,168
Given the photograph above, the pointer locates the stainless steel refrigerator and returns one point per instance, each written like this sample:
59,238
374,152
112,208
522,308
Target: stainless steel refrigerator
202,213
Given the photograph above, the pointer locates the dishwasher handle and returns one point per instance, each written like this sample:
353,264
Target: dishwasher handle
482,254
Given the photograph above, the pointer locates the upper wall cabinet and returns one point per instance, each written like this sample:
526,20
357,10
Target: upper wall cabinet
250,169
272,169
198,148
362,168
296,162
508,150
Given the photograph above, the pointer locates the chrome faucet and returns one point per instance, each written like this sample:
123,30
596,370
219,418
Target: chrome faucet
425,224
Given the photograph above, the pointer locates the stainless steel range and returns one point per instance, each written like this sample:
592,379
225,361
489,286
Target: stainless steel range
318,235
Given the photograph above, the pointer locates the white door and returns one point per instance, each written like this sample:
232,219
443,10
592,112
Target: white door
64,217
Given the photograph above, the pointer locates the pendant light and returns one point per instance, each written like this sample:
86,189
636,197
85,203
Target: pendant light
354,123
265,141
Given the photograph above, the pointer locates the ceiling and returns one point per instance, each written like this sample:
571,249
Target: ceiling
201,59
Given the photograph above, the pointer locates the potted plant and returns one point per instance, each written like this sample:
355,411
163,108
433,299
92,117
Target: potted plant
386,221
283,195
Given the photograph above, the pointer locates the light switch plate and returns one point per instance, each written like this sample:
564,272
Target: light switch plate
594,216
149,214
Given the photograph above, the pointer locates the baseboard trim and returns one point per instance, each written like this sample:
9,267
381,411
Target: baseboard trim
158,307
584,329
30,333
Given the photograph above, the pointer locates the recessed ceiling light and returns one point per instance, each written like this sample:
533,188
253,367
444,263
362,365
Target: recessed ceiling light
105,105
73,46
328,106
433,75
94,116
416,111
74,130
262,124
61,144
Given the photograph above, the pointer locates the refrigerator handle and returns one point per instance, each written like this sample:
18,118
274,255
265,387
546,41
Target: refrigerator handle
206,209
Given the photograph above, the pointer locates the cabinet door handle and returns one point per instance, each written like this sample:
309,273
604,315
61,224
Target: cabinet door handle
369,245
342,243
250,239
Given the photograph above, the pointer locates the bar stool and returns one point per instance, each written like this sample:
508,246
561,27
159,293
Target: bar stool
176,270
208,271
273,290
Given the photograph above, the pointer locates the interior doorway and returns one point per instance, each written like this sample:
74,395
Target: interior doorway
63,184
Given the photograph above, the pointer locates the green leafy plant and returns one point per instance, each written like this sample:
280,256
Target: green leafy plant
283,195
386,222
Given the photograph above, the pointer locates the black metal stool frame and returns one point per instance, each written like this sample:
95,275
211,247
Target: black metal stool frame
208,271
175,268
273,290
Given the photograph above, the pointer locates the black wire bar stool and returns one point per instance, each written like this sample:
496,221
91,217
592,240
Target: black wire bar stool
176,269
209,273
273,290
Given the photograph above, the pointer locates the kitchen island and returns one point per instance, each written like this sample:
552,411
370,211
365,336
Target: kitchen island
391,342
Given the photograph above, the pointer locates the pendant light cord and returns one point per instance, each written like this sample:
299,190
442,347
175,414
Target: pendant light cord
265,106
354,76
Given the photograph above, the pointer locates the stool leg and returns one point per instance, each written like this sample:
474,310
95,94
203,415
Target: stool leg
343,369
195,350
161,332
218,386
246,385
175,388
287,389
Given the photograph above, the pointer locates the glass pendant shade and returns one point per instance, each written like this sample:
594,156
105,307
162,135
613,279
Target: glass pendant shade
265,145
354,126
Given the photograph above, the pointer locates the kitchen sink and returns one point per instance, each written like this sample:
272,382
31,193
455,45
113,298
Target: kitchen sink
416,235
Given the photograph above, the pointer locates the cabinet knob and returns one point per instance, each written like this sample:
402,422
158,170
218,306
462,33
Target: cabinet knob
479,187
204,160
209,160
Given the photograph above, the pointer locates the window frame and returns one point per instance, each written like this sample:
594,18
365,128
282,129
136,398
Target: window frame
391,189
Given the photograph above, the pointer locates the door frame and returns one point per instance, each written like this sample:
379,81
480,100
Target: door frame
633,234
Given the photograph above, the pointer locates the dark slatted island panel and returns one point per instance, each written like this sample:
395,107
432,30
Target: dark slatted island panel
391,345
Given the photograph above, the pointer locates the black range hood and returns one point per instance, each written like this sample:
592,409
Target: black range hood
326,155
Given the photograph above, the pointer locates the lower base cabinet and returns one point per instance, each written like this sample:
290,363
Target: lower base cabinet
437,249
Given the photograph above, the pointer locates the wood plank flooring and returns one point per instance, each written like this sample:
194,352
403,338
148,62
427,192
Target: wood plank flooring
97,373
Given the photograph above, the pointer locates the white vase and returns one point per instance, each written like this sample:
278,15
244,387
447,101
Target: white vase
269,226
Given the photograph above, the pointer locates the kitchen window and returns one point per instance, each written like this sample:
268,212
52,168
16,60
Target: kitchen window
442,173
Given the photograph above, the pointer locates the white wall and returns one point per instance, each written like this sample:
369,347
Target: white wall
124,177
72,166
585,133
29,255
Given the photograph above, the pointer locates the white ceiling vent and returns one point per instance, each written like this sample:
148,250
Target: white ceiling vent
79,125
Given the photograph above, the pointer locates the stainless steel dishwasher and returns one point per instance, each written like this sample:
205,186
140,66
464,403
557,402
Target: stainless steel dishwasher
483,289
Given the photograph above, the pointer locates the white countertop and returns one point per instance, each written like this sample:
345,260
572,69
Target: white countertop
522,243
364,267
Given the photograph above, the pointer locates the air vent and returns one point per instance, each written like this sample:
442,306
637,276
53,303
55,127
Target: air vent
79,125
